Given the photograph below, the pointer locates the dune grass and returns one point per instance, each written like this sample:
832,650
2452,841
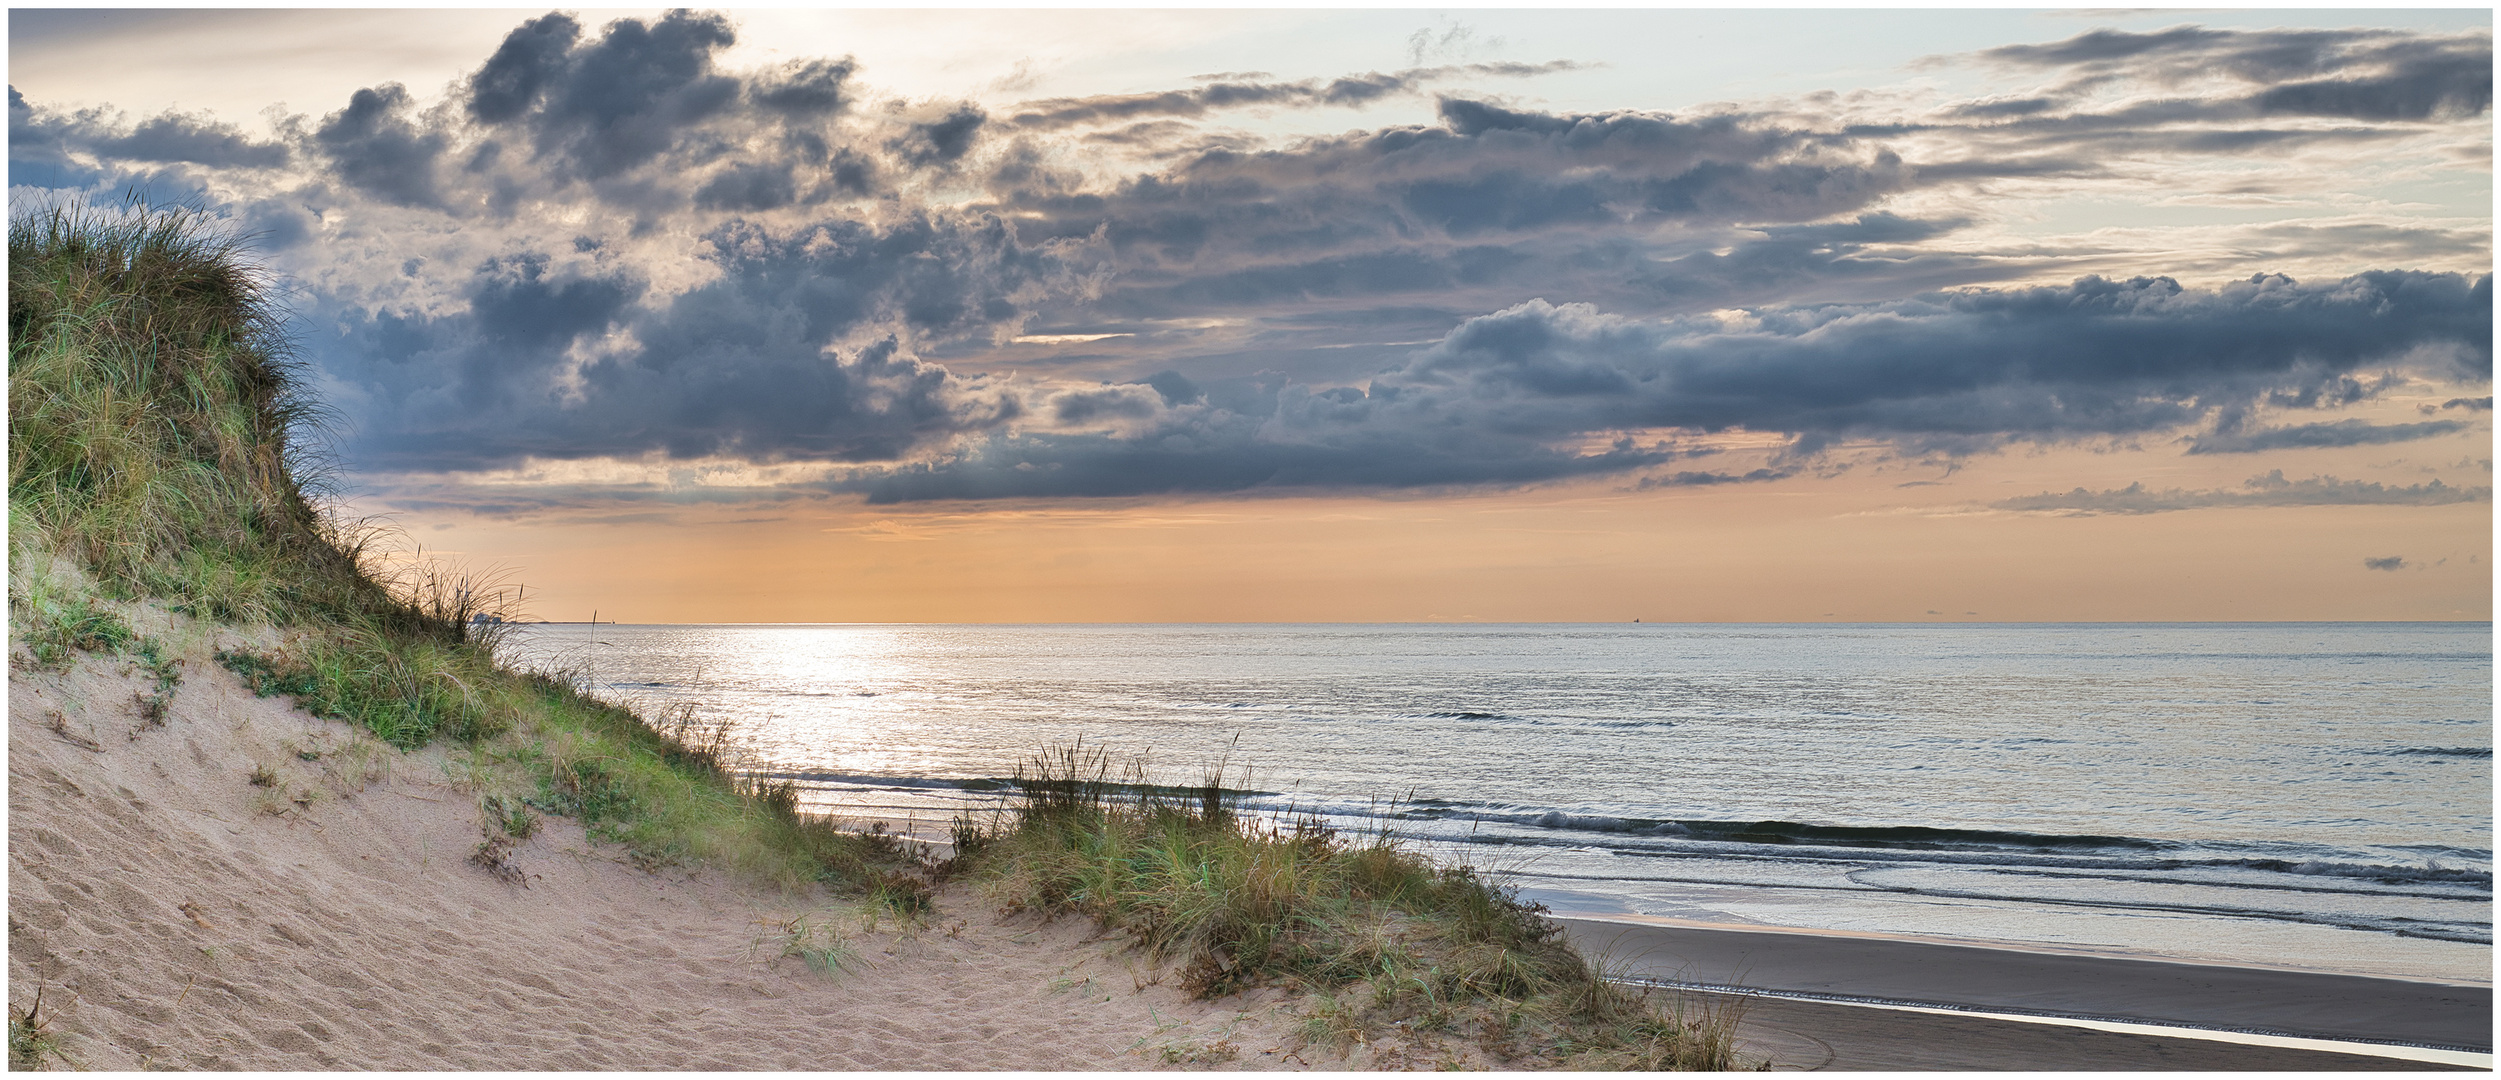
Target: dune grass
160,442
31,1038
1382,937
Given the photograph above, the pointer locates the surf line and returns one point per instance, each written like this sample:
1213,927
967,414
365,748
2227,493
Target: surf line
2401,1051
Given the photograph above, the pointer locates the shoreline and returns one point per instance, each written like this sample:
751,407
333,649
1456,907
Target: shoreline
2025,947
2035,987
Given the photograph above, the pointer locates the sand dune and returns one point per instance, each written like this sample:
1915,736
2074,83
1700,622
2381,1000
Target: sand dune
172,914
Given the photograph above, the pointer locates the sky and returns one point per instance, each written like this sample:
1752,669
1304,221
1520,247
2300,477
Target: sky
1382,316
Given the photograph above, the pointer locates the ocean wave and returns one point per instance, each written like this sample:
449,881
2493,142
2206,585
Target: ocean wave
1569,723
2468,932
2386,875
1910,844
2445,851
2441,751
1895,837
806,776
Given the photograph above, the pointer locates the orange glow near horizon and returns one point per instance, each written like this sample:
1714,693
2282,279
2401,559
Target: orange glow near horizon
1857,547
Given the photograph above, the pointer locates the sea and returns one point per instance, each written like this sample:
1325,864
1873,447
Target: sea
2314,796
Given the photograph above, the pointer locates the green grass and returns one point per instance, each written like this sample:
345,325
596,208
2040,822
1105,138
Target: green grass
31,1038
159,441
1380,935
58,629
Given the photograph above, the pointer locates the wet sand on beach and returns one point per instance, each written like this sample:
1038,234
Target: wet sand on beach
2313,1005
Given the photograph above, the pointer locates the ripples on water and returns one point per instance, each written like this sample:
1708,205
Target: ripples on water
2305,794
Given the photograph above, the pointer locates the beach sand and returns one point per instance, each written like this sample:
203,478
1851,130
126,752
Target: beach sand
170,918
1869,968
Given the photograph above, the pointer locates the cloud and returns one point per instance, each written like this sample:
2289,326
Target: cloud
942,141
603,242
1214,452
40,148
2353,74
1495,399
2120,96
45,148
175,137
2094,357
1236,91
806,89
2268,490
1487,203
2339,433
1712,479
618,102
2392,562
375,147
566,358
530,58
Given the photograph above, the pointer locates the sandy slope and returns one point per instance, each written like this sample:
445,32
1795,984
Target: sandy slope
170,919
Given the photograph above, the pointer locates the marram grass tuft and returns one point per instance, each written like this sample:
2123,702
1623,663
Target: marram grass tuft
1380,936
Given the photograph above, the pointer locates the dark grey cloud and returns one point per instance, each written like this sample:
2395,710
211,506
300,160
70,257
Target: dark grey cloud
1490,202
1240,90
806,89
2480,404
2306,436
2392,562
2350,74
640,112
573,363
2268,490
375,148
39,148
275,225
942,141
1174,387
45,149
174,137
2373,241
749,187
1954,372
2244,93
531,58
1221,452
2095,357
620,101
587,503
1688,478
